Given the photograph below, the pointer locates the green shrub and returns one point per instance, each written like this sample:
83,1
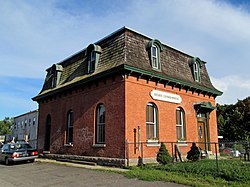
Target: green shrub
163,156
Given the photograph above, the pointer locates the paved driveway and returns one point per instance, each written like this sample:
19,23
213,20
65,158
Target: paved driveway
40,174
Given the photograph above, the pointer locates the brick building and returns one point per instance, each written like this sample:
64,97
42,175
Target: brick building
125,88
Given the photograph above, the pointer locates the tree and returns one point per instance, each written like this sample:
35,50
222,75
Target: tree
5,125
234,120
163,156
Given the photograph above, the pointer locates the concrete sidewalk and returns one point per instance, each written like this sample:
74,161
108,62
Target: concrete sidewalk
94,167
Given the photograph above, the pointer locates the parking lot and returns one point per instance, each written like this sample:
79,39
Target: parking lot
41,174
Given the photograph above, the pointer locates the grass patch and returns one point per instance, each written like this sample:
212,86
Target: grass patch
201,173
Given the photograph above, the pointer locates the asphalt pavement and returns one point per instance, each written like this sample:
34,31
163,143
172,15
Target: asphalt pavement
46,173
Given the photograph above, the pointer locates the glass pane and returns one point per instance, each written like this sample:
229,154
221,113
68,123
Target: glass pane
92,65
93,56
178,117
150,131
100,126
154,51
70,135
101,114
70,119
150,114
195,67
101,133
178,132
155,64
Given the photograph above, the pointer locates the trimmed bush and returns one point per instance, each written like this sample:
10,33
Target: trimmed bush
163,156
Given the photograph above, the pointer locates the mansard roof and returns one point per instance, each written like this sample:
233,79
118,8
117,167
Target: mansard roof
126,51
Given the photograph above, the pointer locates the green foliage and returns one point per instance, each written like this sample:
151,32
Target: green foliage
229,170
234,121
5,125
163,156
194,153
201,173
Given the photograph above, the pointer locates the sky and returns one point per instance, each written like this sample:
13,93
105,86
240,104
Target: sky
35,34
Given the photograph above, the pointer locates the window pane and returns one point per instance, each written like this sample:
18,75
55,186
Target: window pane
155,64
100,124
69,131
180,123
154,51
150,113
151,121
178,132
150,131
93,56
178,117
101,133
70,119
195,67
70,136
92,61
101,114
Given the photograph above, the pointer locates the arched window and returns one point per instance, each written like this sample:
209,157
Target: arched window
196,68
151,121
154,48
155,58
70,127
100,124
93,52
196,72
47,133
180,124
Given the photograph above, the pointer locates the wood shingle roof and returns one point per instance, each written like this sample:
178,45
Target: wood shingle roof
126,50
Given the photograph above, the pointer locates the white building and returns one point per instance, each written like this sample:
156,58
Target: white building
25,127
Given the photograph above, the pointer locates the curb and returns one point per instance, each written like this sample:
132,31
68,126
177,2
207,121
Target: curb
80,165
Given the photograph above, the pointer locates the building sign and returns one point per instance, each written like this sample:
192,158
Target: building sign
165,96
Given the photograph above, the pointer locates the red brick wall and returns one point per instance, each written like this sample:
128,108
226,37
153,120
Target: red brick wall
137,97
120,120
83,102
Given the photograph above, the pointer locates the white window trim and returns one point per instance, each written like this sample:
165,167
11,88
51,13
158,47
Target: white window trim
196,70
99,124
154,122
155,66
182,123
69,125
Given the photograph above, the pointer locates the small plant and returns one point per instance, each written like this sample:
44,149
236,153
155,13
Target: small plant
194,153
163,156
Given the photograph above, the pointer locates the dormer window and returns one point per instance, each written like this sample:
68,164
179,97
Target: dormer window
196,69
196,72
55,74
92,62
93,52
154,47
155,62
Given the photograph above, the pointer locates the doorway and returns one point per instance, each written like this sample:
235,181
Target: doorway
202,135
47,134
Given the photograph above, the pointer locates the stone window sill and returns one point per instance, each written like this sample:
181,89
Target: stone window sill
182,143
153,143
68,145
99,145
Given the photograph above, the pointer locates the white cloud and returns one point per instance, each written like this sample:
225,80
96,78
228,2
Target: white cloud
36,34
234,87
